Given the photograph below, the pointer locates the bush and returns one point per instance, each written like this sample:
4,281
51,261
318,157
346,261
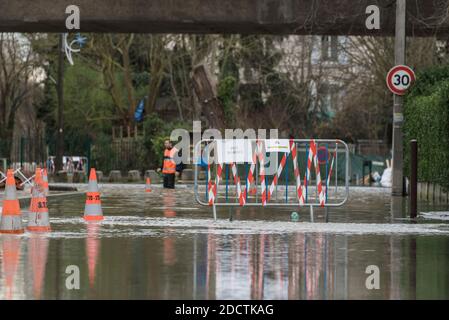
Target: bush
427,120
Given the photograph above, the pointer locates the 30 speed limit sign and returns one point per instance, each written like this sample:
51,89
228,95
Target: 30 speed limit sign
399,79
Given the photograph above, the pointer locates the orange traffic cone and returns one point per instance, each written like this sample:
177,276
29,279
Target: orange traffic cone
11,216
92,210
45,181
148,185
38,217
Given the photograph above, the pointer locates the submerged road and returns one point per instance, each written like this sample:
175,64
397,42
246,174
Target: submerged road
163,245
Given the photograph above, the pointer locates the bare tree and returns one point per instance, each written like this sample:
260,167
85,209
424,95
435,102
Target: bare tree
19,75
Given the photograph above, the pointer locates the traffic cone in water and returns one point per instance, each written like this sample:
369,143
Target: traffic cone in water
11,221
38,220
92,210
45,181
148,185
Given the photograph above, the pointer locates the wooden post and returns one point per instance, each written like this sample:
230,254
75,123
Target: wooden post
398,116
413,178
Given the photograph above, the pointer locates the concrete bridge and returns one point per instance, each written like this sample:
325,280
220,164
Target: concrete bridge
331,17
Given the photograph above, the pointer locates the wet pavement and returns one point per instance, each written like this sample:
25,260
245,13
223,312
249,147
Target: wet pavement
163,245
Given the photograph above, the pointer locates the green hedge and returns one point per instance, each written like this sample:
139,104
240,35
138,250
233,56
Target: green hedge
427,120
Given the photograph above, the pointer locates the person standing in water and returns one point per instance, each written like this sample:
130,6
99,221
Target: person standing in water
169,168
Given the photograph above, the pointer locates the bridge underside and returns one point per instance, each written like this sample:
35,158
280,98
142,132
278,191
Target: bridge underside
333,17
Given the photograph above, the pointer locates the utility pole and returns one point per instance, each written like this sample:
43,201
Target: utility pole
60,88
398,116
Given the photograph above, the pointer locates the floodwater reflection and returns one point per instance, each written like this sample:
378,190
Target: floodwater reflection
132,259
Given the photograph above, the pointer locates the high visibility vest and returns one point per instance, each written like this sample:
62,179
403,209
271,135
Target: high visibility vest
169,161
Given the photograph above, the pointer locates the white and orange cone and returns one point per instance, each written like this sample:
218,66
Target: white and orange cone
38,220
11,221
45,181
148,185
92,210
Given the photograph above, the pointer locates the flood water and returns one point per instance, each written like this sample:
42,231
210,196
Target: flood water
163,245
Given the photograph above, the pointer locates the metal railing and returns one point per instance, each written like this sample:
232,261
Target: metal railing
260,187
17,171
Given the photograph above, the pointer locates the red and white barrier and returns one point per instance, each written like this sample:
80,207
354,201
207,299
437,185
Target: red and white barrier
313,156
267,193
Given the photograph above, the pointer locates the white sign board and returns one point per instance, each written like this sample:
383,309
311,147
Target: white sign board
236,150
277,145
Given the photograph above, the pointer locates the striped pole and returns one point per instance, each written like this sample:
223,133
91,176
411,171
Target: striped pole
313,156
209,191
213,187
262,174
278,174
299,188
307,175
240,196
250,178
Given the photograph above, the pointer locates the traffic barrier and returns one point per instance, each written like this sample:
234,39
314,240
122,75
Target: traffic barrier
38,220
148,185
311,192
11,221
18,172
92,209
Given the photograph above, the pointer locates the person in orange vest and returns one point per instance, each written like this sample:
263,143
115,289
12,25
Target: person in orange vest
169,167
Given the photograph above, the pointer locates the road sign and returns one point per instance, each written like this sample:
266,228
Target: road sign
234,151
322,154
277,145
399,79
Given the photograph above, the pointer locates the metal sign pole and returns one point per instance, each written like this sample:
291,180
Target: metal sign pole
398,116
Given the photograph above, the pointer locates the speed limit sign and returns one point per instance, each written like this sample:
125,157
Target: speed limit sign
399,79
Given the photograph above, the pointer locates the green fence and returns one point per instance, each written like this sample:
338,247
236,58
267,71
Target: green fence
122,154
24,151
